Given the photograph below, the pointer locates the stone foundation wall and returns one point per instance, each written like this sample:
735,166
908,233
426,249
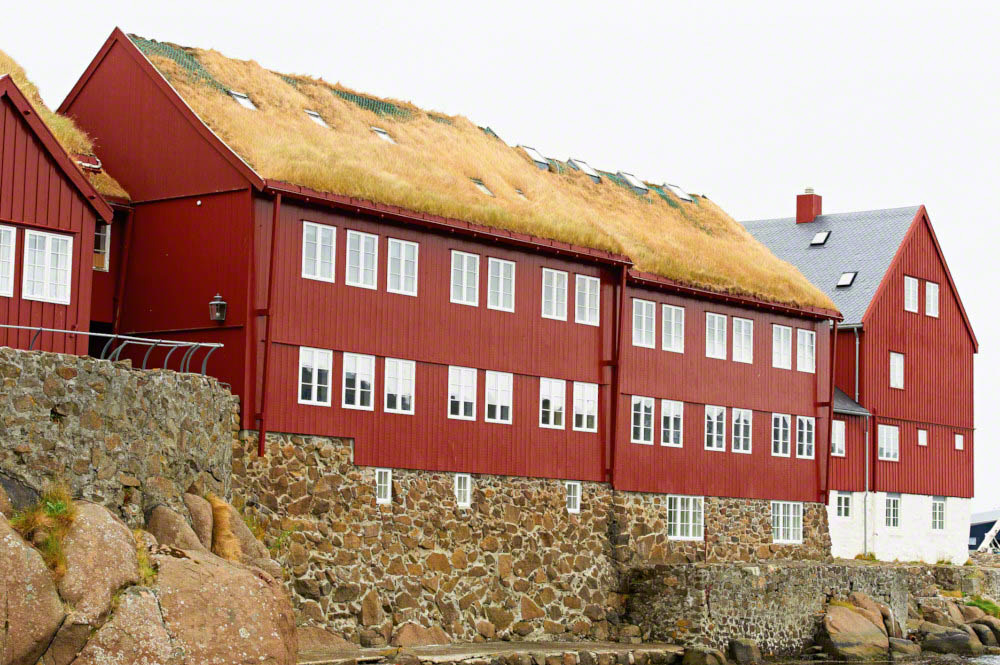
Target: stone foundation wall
127,439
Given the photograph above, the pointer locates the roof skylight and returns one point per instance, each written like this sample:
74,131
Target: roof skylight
586,168
521,194
317,118
384,135
847,278
536,157
819,239
481,187
243,100
634,183
680,193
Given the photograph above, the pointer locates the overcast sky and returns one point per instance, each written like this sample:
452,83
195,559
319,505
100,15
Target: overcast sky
875,105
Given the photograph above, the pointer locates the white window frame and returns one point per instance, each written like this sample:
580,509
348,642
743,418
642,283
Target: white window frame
843,505
243,100
715,334
574,497
588,294
781,346
8,248
805,437
932,294
364,365
786,522
897,370
939,507
463,490
46,281
742,340
671,423
685,517
959,442
555,391
383,487
742,427
911,294
462,384
102,246
781,435
318,359
315,271
922,437
715,435
805,351
495,269
838,438
585,401
468,274
499,394
641,408
643,313
400,263
400,376
557,281
888,443
673,328
893,503
361,282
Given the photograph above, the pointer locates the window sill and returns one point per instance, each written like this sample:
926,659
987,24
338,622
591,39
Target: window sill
51,301
357,408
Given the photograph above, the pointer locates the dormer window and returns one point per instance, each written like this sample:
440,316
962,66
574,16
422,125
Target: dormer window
638,185
317,118
680,193
521,194
481,187
846,279
536,157
819,239
243,100
586,168
384,135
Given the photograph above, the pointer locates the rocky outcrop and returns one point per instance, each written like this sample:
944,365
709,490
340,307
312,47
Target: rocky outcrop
849,635
415,635
200,511
135,634
900,649
940,639
744,651
170,528
703,656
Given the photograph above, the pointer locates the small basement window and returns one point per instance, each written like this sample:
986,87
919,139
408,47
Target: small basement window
243,100
586,168
536,157
384,135
680,193
819,239
636,184
846,279
481,187
317,118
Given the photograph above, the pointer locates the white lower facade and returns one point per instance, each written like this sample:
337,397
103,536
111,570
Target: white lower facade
899,527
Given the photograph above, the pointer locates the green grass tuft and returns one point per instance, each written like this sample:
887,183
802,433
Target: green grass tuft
985,604
46,523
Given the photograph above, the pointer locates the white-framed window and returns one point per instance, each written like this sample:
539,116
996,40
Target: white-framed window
464,278
781,435
572,496
673,328
888,443
362,260
896,370
892,510
781,347
672,423
315,367
786,522
584,406
742,430
384,135
102,247
552,403
937,513
359,382
931,299
316,117
500,285
463,490
554,294
319,244
921,437
588,300
643,323
805,351
404,257
843,504
911,294
959,442
846,278
243,100
742,340
642,420
715,336
715,427
805,437
685,517
383,487
838,438
499,397
48,267
8,236
461,393
400,380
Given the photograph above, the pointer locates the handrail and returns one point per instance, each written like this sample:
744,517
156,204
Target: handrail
190,349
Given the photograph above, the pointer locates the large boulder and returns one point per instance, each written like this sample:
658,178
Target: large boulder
901,649
415,635
744,652
869,609
993,623
984,634
169,528
971,613
201,518
941,639
30,610
848,635
134,634
703,656
6,507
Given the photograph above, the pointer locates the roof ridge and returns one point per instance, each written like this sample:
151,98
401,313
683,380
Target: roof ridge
833,214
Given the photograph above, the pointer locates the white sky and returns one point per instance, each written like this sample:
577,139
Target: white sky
875,105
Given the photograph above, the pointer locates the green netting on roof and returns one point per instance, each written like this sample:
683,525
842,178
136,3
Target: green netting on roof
151,47
556,165
376,106
666,197
490,132
444,120
294,82
615,178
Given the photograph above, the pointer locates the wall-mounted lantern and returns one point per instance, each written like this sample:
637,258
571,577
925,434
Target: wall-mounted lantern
217,308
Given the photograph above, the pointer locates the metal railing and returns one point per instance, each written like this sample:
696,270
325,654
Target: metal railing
111,351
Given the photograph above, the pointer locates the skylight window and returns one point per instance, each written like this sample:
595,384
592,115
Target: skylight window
521,194
586,168
536,157
846,279
243,100
384,135
680,193
819,239
481,187
636,184
317,118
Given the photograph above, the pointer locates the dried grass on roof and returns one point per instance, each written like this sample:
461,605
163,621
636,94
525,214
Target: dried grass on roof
73,139
430,170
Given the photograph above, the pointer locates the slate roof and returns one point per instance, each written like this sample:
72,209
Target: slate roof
844,404
865,242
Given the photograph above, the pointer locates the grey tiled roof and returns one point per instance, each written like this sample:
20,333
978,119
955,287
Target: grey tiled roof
844,404
864,242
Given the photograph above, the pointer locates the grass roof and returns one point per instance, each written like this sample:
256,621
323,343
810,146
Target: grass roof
73,139
436,159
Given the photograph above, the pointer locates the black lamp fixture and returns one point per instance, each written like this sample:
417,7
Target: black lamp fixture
217,308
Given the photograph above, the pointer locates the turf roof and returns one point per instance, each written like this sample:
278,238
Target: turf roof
436,158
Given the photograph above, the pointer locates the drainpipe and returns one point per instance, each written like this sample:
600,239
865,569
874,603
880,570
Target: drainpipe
857,366
829,426
262,433
616,379
116,303
865,511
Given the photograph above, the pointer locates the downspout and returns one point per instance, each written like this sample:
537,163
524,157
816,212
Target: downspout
262,433
616,379
116,305
829,425
865,511
857,366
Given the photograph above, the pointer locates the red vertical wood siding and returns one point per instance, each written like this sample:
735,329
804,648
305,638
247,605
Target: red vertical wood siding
843,374
936,468
847,473
105,282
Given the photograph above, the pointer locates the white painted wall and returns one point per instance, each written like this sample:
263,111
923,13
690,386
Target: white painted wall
912,540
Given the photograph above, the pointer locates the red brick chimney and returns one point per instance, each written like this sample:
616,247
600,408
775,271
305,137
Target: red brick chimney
808,206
